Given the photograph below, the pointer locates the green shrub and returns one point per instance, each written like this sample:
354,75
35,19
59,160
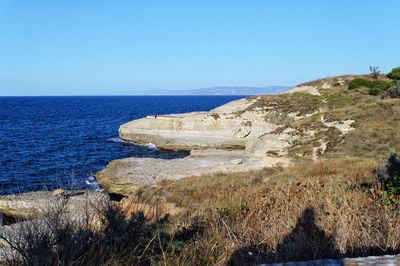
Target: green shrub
376,86
386,199
394,74
380,85
374,91
393,186
358,83
389,176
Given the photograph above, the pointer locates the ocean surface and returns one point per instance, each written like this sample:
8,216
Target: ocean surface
52,142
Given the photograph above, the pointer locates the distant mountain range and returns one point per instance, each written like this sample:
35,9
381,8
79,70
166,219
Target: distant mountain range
219,91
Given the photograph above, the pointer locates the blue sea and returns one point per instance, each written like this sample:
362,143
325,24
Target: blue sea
52,142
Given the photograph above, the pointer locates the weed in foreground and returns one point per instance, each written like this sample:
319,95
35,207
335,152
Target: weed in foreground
107,238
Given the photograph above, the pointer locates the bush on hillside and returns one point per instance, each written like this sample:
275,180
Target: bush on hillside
394,74
358,83
376,86
374,91
381,85
389,176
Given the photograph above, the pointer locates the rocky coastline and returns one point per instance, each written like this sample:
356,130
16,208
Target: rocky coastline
249,142
240,136
226,139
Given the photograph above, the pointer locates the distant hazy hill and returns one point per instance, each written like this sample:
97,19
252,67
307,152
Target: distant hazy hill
220,91
234,90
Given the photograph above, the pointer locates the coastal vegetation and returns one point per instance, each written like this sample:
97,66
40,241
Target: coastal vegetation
394,73
375,85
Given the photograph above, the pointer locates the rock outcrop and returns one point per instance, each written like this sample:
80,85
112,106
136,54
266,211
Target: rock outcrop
220,128
392,92
218,141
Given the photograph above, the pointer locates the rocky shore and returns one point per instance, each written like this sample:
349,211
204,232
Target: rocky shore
246,134
226,139
243,135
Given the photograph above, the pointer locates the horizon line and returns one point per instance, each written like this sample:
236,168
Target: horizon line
124,95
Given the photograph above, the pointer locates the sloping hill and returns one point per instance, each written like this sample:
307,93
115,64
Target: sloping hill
326,117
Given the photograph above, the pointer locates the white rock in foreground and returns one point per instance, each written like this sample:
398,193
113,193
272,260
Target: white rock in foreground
34,204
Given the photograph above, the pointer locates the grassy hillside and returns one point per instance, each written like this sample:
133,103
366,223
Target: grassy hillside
311,117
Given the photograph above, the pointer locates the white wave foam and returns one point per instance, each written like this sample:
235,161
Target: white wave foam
150,146
117,140
92,184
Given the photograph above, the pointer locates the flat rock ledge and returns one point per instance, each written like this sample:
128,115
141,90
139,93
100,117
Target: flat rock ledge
125,176
230,138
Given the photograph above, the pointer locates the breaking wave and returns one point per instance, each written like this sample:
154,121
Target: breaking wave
149,146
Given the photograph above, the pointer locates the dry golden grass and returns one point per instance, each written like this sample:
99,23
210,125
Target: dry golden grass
265,213
327,209
376,132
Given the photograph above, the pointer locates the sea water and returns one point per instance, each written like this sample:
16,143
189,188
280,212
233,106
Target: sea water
52,142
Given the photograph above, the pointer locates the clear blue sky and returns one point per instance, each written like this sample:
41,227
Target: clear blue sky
112,47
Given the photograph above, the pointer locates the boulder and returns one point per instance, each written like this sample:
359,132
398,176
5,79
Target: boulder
392,92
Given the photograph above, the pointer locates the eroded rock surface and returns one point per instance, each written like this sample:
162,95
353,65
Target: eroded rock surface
219,128
34,204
